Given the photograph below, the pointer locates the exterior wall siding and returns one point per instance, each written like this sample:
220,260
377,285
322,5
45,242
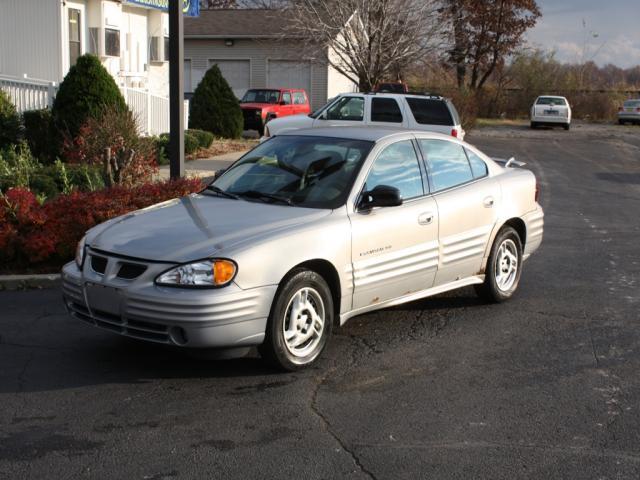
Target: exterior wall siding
30,39
258,52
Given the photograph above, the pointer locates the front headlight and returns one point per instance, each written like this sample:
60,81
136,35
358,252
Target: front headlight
216,272
80,252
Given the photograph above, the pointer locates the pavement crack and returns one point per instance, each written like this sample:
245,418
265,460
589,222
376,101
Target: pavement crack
593,347
327,425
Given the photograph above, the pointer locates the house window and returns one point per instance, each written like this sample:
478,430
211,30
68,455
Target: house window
111,42
75,34
154,49
166,49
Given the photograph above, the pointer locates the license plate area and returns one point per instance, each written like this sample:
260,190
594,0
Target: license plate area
551,112
101,298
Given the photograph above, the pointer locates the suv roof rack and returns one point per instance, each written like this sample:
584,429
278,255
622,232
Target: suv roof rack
422,94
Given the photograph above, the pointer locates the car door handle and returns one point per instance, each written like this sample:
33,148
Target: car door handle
488,202
425,218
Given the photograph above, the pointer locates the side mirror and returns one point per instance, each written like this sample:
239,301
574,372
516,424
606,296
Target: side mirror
380,196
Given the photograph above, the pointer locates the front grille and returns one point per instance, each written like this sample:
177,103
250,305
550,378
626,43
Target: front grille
154,332
98,264
129,271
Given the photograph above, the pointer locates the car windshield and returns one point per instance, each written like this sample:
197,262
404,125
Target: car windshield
632,103
261,96
305,171
551,101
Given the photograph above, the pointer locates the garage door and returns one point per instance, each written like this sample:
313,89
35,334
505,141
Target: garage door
289,74
237,73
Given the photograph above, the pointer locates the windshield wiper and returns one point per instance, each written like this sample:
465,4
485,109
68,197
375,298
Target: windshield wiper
219,191
262,195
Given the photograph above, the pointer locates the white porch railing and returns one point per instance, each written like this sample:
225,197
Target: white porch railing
29,93
150,110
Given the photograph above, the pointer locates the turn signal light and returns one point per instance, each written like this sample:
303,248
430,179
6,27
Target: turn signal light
223,271
454,133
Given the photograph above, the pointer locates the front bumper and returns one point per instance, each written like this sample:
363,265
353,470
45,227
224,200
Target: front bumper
629,116
225,317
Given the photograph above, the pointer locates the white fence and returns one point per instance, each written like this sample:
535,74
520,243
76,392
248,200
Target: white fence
29,93
151,111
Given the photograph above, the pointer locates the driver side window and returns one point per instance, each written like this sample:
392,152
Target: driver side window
397,166
347,108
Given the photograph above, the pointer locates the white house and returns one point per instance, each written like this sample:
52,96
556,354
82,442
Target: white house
41,39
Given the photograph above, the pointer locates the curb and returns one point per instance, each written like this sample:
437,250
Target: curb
28,282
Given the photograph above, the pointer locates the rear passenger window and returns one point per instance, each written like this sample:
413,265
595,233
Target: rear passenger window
397,166
286,98
428,111
298,98
385,110
448,164
478,167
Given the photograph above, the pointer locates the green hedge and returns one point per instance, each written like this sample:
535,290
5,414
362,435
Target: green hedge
9,121
215,108
39,132
205,139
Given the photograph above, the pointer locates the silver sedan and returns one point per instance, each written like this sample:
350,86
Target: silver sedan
304,232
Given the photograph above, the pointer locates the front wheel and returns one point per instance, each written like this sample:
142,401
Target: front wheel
503,267
534,124
300,321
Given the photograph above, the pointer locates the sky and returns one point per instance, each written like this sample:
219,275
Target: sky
610,33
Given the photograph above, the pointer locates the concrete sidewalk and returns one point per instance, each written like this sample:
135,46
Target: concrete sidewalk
204,167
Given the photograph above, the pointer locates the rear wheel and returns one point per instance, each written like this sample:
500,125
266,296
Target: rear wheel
534,124
566,126
300,322
621,122
504,267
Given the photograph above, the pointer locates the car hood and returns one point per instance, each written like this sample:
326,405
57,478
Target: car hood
290,122
194,227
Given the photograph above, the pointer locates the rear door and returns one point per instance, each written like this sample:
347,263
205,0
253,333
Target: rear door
385,111
395,249
467,200
299,102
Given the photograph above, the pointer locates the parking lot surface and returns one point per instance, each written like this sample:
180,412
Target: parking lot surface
543,386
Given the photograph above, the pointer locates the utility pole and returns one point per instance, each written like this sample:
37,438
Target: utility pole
176,89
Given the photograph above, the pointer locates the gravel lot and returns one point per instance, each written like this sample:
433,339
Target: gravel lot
544,386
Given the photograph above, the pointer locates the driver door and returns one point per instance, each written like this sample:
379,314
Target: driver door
395,249
347,111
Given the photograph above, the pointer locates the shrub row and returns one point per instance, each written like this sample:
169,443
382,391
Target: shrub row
46,234
193,141
18,168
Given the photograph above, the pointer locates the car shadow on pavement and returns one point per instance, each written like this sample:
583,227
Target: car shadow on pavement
624,178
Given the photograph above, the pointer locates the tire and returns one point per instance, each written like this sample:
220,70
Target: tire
261,130
621,122
566,126
534,125
305,291
498,290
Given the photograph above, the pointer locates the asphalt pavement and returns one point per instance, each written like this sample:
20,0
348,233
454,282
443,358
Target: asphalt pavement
546,385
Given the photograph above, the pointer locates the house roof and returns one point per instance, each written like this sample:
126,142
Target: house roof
236,23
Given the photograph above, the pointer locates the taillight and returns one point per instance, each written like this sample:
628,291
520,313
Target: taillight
454,133
537,194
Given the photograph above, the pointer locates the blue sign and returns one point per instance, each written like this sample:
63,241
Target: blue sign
191,8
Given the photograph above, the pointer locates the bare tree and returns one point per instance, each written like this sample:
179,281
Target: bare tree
216,4
484,33
367,41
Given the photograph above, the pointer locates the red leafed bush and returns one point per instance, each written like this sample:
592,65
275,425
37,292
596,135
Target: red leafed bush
47,234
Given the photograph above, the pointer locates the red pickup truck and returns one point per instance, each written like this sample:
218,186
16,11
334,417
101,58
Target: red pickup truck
259,105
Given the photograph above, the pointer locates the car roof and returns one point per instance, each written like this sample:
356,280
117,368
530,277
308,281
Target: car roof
371,134
551,96
432,96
